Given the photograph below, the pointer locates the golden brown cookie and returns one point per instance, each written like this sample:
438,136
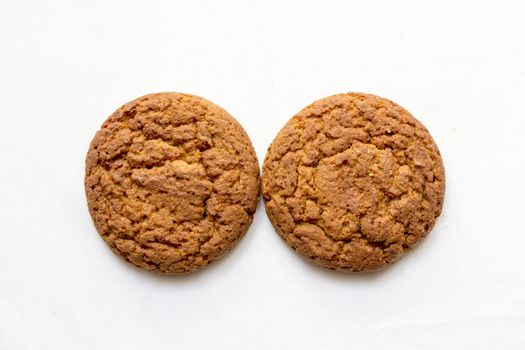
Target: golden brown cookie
352,182
172,182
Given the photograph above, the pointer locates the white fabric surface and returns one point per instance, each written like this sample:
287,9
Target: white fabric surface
457,66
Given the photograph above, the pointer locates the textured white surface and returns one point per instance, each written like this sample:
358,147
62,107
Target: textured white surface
457,66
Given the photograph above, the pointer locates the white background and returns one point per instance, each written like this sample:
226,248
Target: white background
457,66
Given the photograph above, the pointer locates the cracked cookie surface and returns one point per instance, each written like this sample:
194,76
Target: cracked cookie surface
352,182
172,182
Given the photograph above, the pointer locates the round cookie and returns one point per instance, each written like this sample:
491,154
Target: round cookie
172,182
352,182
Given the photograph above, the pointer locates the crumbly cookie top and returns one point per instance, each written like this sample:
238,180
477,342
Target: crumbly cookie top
353,181
171,181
